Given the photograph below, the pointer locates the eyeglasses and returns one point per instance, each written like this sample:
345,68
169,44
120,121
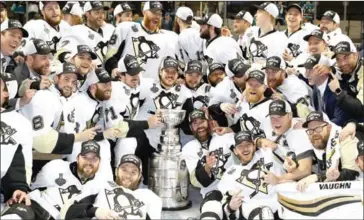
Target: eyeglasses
317,130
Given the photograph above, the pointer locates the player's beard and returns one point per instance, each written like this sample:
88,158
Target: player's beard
52,21
176,26
65,91
274,82
318,142
87,170
150,26
253,98
101,95
205,34
202,133
127,184
245,159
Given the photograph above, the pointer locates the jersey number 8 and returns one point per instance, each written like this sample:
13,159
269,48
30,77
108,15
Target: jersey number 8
38,123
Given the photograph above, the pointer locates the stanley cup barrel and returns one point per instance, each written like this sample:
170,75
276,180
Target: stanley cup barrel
168,175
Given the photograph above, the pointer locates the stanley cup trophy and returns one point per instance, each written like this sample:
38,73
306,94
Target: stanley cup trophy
168,174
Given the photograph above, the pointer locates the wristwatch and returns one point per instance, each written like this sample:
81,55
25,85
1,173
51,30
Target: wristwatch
338,91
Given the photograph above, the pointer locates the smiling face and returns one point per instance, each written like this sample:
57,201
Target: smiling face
103,91
216,77
319,133
40,64
83,63
347,62
152,19
294,18
245,151
88,165
95,18
281,124
200,129
128,175
275,77
193,79
316,45
327,25
66,83
312,77
52,13
132,81
169,76
240,26
10,41
254,91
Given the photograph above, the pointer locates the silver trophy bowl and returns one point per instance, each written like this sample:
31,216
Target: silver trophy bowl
171,117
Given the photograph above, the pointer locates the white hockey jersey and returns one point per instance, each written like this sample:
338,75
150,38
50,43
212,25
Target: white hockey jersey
202,95
260,47
221,50
248,179
297,47
225,92
155,97
190,45
293,89
336,36
40,29
16,131
194,152
61,185
149,48
108,30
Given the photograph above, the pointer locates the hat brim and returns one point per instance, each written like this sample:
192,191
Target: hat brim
294,6
305,124
272,67
23,31
156,9
201,21
170,66
277,113
261,82
193,71
258,7
307,66
343,52
307,37
134,71
327,18
89,151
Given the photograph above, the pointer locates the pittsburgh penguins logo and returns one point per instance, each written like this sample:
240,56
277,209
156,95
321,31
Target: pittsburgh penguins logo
71,116
144,49
123,203
95,118
252,125
294,48
134,104
257,48
166,100
68,193
6,133
200,101
219,167
253,178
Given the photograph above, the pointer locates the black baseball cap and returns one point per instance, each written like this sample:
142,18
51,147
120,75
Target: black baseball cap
36,46
343,47
86,49
258,75
103,75
197,114
92,5
216,66
68,67
243,136
313,116
194,66
132,67
279,107
131,158
153,6
90,147
275,62
237,67
315,59
360,147
169,62
316,33
13,24
297,6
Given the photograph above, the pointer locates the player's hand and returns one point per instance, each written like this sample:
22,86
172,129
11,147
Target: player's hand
266,143
332,174
236,201
112,133
225,31
322,69
334,83
181,81
287,56
45,83
289,165
298,124
154,121
210,162
276,95
305,182
87,135
348,131
228,108
28,95
115,72
19,197
102,213
222,130
291,71
270,178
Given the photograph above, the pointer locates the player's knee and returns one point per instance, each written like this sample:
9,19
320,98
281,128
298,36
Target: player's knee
211,206
261,213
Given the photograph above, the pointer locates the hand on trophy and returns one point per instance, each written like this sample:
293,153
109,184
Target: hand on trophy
154,121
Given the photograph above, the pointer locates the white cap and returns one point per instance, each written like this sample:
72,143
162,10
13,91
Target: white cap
331,15
270,8
244,15
92,5
120,8
213,20
73,8
184,13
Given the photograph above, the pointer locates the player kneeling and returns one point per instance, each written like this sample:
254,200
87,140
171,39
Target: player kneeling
117,200
247,186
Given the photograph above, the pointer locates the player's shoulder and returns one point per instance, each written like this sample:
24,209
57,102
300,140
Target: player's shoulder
226,138
57,164
34,23
127,25
44,97
190,146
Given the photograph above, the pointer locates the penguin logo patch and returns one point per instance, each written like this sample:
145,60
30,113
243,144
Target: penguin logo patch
6,133
68,193
258,49
294,48
144,49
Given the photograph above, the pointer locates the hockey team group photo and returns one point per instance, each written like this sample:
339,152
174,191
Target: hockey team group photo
191,110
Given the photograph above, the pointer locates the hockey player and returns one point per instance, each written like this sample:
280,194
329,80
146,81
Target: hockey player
59,181
242,22
51,28
217,48
144,41
190,43
331,156
248,185
296,52
54,123
117,200
122,13
283,140
16,153
207,156
72,13
215,74
263,40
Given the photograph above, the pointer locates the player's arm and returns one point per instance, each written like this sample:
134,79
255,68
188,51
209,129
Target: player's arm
116,46
27,149
15,178
79,209
348,152
185,125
